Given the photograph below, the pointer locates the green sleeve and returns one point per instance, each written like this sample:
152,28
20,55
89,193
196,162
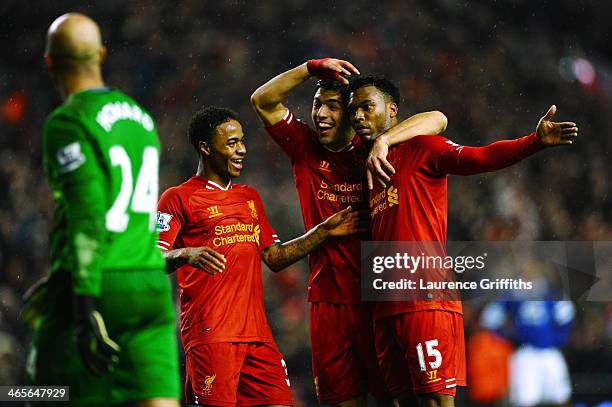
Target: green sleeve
79,188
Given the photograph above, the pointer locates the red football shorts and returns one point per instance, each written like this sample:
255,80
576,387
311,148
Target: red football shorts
429,344
230,374
343,354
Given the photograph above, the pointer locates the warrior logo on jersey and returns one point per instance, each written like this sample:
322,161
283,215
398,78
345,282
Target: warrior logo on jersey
253,209
70,157
392,196
432,376
324,166
208,384
213,211
163,221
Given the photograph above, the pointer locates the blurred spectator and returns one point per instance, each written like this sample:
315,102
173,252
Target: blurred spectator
488,367
538,371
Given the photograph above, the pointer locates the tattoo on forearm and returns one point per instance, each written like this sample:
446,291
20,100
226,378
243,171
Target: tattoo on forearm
281,255
174,260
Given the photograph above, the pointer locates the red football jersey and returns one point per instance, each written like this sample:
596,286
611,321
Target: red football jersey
327,182
413,206
229,306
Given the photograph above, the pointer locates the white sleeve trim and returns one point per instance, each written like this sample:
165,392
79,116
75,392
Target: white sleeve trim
287,114
163,245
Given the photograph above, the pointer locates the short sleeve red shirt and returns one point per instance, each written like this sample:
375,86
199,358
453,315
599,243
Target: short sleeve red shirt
229,306
327,182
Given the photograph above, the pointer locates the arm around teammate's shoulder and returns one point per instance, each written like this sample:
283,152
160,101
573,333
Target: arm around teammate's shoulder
433,122
377,166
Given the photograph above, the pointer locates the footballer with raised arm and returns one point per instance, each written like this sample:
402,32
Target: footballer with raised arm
107,324
427,335
231,357
329,170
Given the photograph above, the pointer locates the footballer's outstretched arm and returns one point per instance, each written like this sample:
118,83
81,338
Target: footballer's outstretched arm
462,160
268,99
377,166
203,258
280,255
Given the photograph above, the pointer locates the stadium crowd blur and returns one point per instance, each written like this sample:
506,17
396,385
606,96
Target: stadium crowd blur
493,68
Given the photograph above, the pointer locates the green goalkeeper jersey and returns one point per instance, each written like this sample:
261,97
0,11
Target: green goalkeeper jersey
101,157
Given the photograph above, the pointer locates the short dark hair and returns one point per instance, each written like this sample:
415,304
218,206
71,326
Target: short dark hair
204,123
332,84
388,88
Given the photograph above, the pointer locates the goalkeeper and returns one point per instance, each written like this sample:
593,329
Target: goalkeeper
107,326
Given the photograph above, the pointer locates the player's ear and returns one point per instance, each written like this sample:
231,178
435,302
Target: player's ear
48,61
102,54
392,109
204,148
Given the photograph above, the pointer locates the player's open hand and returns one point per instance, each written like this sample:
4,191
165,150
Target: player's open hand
205,259
331,68
343,223
377,165
555,133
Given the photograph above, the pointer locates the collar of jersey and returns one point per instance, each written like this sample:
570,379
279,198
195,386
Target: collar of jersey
348,147
98,89
88,91
211,185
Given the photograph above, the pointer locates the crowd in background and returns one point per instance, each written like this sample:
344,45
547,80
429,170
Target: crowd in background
493,68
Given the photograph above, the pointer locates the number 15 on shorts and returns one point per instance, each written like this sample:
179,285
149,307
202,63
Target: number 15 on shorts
432,352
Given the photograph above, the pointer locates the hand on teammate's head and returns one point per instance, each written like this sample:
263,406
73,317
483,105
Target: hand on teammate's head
331,68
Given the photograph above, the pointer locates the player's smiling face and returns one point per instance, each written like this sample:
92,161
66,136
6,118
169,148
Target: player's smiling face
227,150
329,117
371,114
